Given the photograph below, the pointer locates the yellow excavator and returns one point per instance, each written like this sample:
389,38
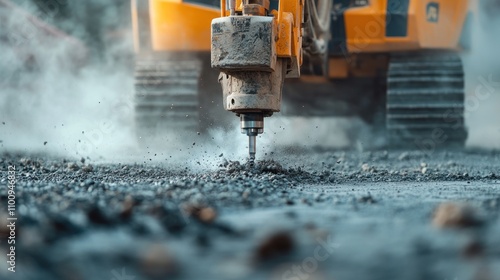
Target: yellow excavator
389,61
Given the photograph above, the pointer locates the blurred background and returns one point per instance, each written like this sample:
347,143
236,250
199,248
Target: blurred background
67,83
68,78
67,69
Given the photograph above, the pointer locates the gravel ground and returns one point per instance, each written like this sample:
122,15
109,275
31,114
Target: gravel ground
307,214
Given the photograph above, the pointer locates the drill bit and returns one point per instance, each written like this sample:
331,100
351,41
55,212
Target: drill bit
252,143
252,124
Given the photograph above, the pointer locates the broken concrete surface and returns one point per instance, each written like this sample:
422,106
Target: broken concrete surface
146,220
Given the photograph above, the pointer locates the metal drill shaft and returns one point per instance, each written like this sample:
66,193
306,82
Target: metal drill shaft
252,147
252,124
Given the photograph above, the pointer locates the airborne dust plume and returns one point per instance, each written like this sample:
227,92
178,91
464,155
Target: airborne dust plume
73,95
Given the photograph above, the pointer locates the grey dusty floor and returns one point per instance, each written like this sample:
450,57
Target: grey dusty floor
304,215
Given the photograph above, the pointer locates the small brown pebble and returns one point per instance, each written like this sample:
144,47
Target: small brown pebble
72,166
88,168
455,215
276,245
473,249
127,208
157,262
207,215
202,213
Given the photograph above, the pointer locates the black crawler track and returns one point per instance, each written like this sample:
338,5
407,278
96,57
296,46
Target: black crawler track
166,96
425,100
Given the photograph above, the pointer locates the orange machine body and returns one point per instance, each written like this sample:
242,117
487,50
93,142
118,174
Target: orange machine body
361,31
172,25
363,36
430,24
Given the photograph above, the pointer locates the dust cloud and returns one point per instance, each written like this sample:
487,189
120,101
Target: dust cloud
69,92
65,89
482,71
314,132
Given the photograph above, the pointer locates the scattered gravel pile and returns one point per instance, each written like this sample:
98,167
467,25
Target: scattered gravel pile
154,220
